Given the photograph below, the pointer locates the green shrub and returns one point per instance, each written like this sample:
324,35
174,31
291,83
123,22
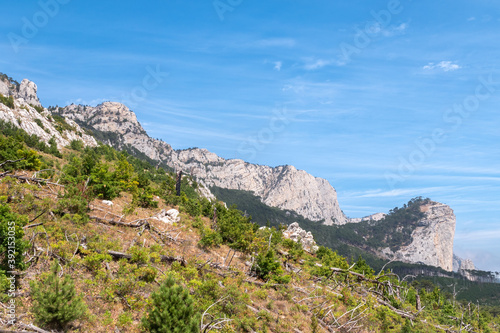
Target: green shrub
39,123
76,145
210,238
12,245
267,265
7,101
56,303
172,310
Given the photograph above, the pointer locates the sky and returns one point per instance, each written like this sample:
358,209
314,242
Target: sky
387,100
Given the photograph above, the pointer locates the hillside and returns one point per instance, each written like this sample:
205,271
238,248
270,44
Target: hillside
101,216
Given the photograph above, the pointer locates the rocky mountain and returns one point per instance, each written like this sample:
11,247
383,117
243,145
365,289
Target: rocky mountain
432,239
283,187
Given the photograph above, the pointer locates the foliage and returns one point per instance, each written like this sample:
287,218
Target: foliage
12,244
76,145
267,265
209,238
60,124
7,101
12,149
172,310
75,201
56,302
21,136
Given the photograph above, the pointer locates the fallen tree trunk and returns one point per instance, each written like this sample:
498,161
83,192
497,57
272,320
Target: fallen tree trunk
169,259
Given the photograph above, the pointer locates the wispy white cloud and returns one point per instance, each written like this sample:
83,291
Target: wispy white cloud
472,18
312,64
479,235
406,192
275,42
394,30
447,66
277,65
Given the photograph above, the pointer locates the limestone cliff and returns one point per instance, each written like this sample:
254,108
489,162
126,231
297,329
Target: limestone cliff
283,187
432,239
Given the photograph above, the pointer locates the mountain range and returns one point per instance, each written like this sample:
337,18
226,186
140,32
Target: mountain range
428,239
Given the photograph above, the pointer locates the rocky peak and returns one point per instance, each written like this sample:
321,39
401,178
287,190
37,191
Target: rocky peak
27,91
284,187
460,264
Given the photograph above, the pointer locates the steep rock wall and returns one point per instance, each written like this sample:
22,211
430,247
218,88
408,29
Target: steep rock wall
432,239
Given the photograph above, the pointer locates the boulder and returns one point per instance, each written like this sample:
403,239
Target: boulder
170,216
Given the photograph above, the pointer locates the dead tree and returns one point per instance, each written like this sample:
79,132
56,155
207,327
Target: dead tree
214,220
178,183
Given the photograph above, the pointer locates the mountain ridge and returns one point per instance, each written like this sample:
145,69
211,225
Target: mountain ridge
283,187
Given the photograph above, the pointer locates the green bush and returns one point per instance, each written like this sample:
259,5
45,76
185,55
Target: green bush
210,238
56,303
12,245
76,145
7,101
172,310
267,265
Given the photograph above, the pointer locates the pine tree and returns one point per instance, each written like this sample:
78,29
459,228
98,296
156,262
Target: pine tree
172,311
56,302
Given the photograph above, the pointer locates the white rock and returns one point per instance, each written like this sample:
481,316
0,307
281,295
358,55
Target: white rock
27,91
169,217
107,202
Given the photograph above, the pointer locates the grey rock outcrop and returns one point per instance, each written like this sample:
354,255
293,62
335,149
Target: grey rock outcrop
4,88
460,264
297,234
168,216
121,122
28,92
432,239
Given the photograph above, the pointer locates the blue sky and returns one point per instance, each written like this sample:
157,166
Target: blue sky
387,100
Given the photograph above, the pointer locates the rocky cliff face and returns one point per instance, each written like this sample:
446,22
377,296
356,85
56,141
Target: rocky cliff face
38,122
432,239
283,187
